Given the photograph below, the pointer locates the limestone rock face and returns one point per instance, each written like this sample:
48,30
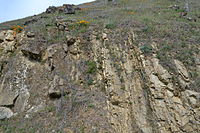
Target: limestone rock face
95,83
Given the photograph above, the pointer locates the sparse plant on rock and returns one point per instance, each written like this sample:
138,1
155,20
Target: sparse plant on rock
83,23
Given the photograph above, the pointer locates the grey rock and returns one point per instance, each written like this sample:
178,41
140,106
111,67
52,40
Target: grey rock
37,108
5,113
57,87
192,97
7,97
51,51
69,9
22,101
51,9
182,70
62,25
54,90
33,51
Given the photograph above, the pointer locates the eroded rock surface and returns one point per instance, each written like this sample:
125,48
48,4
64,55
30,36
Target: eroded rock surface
97,84
5,113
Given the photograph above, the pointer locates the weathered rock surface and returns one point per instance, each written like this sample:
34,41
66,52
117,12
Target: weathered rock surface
7,97
5,113
22,101
182,70
33,51
123,92
9,35
57,88
51,9
67,9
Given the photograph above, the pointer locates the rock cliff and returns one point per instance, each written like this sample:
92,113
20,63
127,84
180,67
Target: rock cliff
99,81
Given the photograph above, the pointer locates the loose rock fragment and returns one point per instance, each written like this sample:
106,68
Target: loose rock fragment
5,113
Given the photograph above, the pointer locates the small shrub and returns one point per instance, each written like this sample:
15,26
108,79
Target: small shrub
91,105
50,109
110,26
89,82
17,28
79,27
146,49
83,23
92,67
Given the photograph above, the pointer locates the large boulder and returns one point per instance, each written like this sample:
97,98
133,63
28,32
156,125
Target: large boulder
33,51
5,113
51,9
67,9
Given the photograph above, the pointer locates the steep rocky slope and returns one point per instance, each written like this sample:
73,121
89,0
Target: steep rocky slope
60,74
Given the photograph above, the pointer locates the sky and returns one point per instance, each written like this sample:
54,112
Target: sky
16,9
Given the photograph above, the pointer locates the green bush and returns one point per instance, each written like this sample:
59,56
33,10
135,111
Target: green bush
91,67
110,26
146,49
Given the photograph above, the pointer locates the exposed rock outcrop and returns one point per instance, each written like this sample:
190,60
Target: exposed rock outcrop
66,9
33,51
120,90
51,9
57,87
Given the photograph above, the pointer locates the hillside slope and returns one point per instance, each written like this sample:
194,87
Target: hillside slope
129,66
